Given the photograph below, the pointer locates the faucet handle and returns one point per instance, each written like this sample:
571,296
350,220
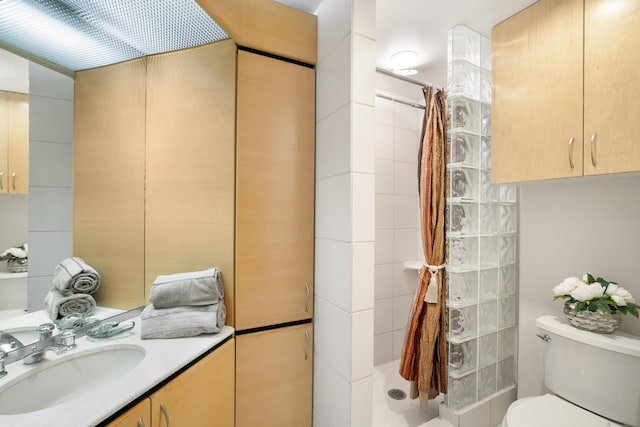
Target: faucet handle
68,338
45,330
3,357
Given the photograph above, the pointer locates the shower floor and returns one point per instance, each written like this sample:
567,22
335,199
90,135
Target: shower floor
388,412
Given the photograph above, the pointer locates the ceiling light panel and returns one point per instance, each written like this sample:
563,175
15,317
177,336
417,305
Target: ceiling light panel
81,34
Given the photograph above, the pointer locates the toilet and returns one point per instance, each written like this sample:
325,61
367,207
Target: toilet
594,380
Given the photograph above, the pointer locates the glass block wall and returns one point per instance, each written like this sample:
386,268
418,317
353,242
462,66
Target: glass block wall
481,234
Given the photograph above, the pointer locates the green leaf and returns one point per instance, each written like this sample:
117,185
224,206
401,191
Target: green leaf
590,278
632,309
602,305
581,306
561,297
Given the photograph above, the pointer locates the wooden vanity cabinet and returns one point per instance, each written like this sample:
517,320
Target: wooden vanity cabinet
138,416
274,373
203,395
14,143
565,92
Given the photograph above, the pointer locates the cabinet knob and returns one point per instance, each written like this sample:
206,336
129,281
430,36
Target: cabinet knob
13,180
306,309
1,180
140,423
571,141
306,345
165,413
593,149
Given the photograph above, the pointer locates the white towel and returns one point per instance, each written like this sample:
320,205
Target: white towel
73,275
194,288
185,321
59,305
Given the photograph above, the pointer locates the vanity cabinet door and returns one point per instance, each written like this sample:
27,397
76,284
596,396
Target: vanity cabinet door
537,64
611,86
274,377
274,191
203,395
137,416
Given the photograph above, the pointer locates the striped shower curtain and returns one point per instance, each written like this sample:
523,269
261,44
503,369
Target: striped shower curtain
424,354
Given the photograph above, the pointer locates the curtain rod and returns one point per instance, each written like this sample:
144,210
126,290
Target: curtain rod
399,100
403,78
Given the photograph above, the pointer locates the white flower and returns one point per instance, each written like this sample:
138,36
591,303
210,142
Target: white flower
17,252
567,286
584,292
622,292
618,300
612,288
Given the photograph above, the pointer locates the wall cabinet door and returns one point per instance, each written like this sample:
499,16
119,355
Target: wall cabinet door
274,376
14,143
537,65
203,395
137,416
274,191
611,86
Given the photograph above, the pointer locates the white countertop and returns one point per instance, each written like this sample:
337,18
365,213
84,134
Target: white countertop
163,357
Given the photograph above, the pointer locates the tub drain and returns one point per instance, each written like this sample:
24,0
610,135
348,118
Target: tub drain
397,394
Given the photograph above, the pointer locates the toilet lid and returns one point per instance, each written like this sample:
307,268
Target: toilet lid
550,411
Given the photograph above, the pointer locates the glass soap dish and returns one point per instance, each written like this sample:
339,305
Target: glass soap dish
110,329
74,321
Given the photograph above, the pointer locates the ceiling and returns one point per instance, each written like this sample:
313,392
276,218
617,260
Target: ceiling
422,26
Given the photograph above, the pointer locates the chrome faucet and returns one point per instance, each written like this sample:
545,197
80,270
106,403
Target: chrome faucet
8,342
3,357
47,343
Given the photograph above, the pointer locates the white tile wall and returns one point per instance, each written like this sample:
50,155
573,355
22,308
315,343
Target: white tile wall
333,272
333,149
397,216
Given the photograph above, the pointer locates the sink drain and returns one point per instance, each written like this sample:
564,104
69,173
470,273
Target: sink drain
397,394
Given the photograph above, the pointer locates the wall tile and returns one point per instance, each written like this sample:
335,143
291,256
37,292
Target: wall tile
318,421
384,211
50,164
331,395
50,119
47,249
363,138
14,221
38,288
363,208
401,311
404,245
46,82
334,24
333,272
383,317
362,279
384,246
364,18
476,416
362,403
384,142
363,57
361,344
50,208
382,348
398,341
384,112
333,82
14,72
383,281
500,404
405,178
406,117
333,151
384,176
333,336
333,208
405,212
13,294
405,282
406,145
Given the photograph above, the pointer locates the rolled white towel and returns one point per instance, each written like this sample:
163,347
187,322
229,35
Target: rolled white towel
59,305
73,275
185,321
193,288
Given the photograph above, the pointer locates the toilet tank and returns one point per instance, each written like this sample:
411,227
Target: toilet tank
599,372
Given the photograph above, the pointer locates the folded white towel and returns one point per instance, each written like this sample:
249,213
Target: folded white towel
73,275
194,288
59,305
185,321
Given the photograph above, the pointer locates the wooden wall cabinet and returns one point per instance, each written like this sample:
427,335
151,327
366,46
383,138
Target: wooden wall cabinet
274,191
553,64
14,143
274,374
203,395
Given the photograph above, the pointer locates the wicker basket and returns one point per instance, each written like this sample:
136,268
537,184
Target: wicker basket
594,321
18,265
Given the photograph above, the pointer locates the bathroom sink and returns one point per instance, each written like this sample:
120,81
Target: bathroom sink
57,381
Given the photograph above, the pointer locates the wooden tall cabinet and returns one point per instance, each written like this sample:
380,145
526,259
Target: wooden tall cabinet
275,191
274,371
14,143
564,91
